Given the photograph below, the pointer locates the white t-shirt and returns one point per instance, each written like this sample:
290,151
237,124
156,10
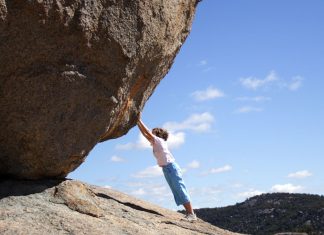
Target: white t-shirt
161,152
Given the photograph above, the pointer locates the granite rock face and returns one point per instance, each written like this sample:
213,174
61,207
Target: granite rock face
72,207
77,72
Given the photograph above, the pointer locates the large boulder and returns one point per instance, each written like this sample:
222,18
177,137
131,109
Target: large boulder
77,72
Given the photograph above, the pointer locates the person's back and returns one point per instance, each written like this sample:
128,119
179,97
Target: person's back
162,152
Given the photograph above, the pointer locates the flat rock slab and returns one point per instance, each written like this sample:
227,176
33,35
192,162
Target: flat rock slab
73,207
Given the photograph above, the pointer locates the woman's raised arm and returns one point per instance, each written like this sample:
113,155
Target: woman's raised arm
145,131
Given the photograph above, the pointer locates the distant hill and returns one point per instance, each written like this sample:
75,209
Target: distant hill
270,214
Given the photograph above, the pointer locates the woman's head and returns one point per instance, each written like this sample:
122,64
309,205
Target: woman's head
160,132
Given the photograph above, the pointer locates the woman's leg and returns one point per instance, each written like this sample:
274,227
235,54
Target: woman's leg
173,176
191,216
188,208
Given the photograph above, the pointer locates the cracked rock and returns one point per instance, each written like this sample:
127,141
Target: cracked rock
72,207
77,197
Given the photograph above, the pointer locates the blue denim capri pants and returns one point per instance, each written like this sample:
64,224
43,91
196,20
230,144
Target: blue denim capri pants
173,176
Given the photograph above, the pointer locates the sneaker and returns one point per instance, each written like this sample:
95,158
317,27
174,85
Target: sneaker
191,217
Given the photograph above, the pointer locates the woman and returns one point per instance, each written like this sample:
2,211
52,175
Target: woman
170,168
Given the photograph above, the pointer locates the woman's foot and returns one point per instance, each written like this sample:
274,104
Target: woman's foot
191,217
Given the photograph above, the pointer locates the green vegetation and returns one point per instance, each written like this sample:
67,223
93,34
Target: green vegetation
270,214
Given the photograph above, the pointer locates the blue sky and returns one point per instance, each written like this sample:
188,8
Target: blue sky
244,103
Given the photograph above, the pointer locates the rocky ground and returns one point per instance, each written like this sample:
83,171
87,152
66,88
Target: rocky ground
73,207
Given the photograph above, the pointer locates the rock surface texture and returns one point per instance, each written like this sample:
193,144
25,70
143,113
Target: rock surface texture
72,207
77,72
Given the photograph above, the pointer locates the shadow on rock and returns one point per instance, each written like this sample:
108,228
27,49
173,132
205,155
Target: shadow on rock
25,187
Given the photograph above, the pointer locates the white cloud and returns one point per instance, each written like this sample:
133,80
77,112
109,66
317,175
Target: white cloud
176,139
139,192
221,169
300,174
127,146
287,188
117,159
254,99
205,191
256,83
151,190
218,170
248,109
237,185
152,171
194,164
203,62
158,190
196,122
250,193
208,94
253,83
296,83
136,184
107,186
141,143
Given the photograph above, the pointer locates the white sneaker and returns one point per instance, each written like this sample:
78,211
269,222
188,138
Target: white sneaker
191,217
